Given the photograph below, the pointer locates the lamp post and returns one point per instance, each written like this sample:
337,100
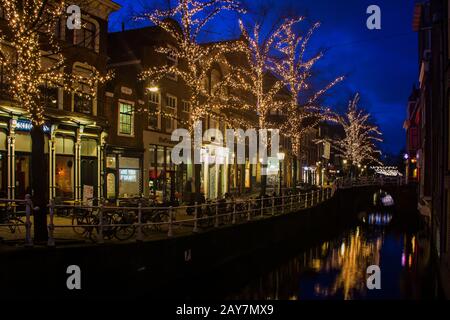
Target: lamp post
280,156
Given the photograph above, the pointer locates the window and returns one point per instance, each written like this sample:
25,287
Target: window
86,36
154,106
172,60
64,178
125,119
186,106
171,105
82,99
171,102
49,95
128,175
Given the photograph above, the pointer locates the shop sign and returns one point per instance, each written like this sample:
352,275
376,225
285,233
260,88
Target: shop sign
26,125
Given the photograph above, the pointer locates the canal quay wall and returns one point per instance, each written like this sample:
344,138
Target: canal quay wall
130,269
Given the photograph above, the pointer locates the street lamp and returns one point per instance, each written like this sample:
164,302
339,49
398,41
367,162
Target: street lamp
280,156
153,88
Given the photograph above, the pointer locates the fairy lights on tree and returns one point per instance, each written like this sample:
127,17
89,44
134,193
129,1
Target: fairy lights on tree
358,145
32,57
32,60
196,60
304,110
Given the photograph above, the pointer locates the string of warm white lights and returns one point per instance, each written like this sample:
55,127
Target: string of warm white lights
198,59
296,73
32,57
358,144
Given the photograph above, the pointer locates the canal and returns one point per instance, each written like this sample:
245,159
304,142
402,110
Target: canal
333,268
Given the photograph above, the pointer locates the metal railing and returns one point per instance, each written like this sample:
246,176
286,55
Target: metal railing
104,222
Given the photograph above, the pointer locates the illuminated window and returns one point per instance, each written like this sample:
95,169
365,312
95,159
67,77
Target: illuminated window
126,119
128,175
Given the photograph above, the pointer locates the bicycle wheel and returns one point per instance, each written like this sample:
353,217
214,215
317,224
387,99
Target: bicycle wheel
15,224
78,225
123,233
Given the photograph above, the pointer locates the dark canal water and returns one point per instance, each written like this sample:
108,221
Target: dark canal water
332,269
336,269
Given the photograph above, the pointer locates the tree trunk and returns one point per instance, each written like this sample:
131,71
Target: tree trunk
38,184
197,182
294,178
263,179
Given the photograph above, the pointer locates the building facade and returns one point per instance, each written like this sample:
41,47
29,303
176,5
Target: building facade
74,125
431,22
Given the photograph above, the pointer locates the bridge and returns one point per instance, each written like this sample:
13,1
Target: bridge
81,223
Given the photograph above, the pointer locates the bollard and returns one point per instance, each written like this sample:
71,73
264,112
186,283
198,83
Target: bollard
139,226
233,221
51,226
216,221
195,218
249,217
273,205
100,225
29,206
170,231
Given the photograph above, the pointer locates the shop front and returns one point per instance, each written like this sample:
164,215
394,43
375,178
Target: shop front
164,181
73,153
123,174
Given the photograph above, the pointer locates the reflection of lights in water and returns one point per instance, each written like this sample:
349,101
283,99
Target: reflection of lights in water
354,255
403,259
413,244
379,219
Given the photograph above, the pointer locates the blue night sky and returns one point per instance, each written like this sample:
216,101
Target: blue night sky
379,64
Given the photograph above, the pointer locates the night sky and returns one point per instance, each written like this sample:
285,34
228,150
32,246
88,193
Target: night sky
379,64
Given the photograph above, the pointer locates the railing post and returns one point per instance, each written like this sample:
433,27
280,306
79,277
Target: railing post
249,217
262,206
29,207
233,220
282,204
139,230
216,221
306,200
195,218
292,201
51,226
170,231
323,194
100,225
273,205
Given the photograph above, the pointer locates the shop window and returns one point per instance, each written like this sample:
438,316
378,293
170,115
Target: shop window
3,176
129,177
111,162
89,148
126,119
64,177
23,185
110,185
64,145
